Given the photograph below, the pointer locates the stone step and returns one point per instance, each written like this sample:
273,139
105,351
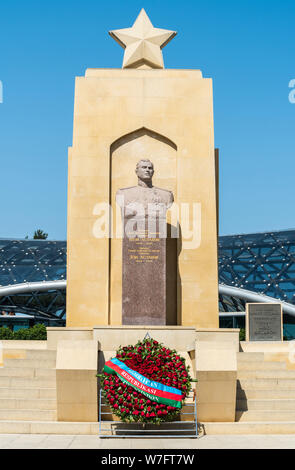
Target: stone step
255,365
92,428
27,372
266,384
15,353
25,382
28,393
45,373
47,354
266,374
16,372
266,404
31,363
32,415
264,394
265,415
264,427
265,346
48,427
185,429
250,357
27,404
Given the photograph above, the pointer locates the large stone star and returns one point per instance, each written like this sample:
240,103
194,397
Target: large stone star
142,43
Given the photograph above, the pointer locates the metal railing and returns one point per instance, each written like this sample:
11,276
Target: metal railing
182,428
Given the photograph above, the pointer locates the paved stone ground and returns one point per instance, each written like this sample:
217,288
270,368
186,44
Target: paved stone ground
53,441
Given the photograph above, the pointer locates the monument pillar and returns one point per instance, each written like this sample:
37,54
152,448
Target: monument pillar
120,117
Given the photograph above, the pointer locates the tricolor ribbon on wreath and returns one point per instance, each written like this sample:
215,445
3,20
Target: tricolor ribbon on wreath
155,391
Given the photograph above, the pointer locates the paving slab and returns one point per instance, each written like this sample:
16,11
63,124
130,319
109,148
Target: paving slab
48,441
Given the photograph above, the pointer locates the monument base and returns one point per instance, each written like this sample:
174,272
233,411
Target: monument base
110,338
216,372
210,353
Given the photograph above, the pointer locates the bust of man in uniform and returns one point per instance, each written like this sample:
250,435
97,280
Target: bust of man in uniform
144,198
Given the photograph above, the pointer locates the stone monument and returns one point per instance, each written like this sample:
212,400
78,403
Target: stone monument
168,283
122,116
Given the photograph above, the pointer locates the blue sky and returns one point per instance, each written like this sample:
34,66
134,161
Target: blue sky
246,46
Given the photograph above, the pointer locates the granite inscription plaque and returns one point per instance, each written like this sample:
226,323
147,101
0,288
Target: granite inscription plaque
144,210
264,322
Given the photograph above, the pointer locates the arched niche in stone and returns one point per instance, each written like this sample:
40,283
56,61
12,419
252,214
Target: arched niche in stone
125,152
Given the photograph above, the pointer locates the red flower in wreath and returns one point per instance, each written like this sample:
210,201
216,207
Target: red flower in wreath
155,362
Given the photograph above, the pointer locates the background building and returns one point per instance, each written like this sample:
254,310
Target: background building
252,268
32,282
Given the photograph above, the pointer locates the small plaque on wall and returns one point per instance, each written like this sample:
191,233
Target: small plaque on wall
264,322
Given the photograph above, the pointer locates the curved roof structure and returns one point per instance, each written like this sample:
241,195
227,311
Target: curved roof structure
263,263
248,296
256,267
33,277
235,292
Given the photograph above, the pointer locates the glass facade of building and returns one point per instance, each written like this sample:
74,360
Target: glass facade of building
259,262
29,261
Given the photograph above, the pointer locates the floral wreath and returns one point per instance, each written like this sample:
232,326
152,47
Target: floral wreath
145,383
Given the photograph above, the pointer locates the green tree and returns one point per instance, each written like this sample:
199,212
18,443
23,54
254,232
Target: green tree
40,235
